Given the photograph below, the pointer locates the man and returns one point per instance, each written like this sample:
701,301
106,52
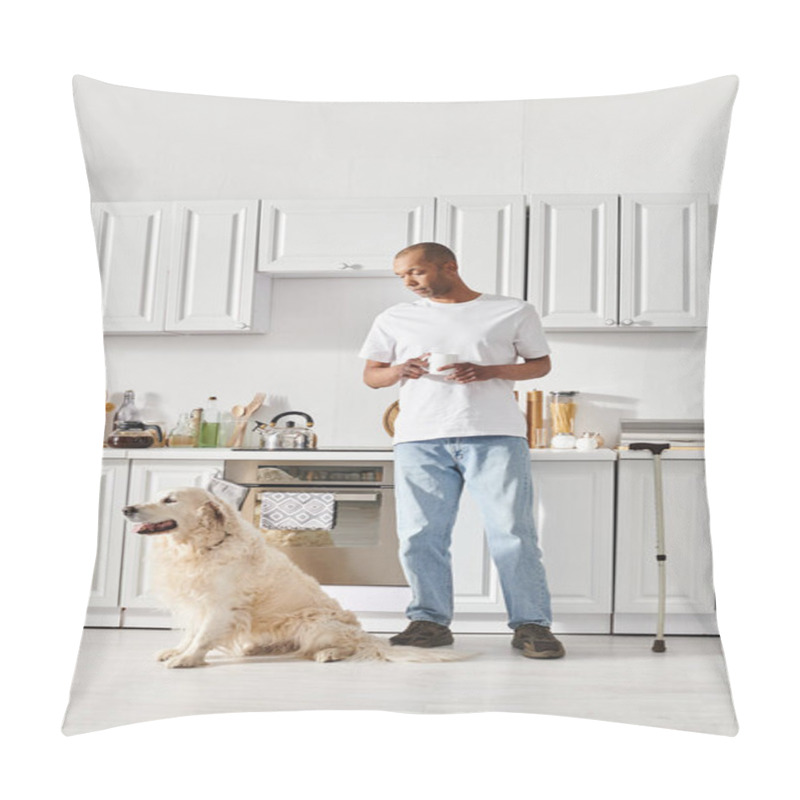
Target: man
460,429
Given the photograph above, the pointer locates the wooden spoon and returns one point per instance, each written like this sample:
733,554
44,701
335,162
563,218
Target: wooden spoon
243,418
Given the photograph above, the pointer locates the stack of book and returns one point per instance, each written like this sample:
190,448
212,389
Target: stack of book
679,434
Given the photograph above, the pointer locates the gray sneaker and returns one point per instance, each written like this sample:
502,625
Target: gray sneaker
536,641
423,633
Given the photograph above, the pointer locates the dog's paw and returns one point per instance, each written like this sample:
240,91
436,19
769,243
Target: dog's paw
332,654
165,655
185,661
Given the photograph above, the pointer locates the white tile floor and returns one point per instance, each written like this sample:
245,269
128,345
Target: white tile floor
614,678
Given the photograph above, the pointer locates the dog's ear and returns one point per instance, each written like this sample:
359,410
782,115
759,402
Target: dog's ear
211,514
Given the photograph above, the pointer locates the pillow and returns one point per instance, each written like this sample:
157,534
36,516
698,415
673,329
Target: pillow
245,249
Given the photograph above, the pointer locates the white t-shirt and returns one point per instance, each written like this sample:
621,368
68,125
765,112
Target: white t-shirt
488,330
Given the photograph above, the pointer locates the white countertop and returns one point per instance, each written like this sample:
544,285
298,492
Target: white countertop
226,454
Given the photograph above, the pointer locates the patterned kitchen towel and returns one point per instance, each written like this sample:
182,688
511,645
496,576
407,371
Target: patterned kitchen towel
298,510
230,492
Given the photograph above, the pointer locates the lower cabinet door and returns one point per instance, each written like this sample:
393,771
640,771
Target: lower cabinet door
690,607
103,610
574,511
148,480
574,514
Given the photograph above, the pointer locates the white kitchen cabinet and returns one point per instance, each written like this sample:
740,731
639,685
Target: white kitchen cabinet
184,267
572,260
577,544
664,260
103,609
690,607
619,263
133,249
148,479
330,237
487,234
213,261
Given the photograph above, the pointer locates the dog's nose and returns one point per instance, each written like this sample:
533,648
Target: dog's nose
128,510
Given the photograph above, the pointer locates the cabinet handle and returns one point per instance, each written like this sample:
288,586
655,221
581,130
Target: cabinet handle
611,322
627,322
242,325
345,265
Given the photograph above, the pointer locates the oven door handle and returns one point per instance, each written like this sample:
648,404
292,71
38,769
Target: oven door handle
371,497
356,498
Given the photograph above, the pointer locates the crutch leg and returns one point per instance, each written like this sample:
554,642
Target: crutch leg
659,645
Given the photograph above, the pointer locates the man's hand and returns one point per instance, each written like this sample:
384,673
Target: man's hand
467,373
531,368
380,374
413,368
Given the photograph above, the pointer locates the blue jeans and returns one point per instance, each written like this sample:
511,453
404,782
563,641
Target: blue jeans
429,478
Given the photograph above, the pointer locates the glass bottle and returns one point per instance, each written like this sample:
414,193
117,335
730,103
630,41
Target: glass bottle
209,426
127,412
195,420
226,422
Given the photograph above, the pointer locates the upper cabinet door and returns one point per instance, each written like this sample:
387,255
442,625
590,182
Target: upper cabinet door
133,241
213,266
487,234
664,266
572,260
340,236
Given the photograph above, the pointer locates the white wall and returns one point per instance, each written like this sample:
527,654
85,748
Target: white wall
152,145
145,145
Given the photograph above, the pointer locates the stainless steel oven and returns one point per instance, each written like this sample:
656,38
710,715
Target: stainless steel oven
361,547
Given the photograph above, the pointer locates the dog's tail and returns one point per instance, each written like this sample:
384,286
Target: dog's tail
370,648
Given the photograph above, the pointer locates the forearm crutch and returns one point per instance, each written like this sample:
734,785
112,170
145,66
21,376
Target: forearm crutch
659,646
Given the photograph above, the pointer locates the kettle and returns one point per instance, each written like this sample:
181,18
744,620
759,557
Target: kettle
287,437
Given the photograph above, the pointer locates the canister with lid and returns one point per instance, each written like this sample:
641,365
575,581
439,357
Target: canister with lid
563,408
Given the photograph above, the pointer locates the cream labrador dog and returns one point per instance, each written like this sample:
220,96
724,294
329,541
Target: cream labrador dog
235,592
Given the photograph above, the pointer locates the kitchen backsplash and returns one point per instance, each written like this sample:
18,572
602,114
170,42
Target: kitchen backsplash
309,362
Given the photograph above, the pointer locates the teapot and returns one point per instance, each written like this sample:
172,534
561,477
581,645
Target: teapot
288,436
132,434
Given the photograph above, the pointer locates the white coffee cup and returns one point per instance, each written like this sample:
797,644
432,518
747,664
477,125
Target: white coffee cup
438,360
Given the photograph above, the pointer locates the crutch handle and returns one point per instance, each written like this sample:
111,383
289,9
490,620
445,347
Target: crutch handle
656,448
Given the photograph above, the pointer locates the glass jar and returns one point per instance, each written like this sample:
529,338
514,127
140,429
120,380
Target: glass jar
588,441
184,434
563,408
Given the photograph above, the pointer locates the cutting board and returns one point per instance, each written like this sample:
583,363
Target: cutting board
389,416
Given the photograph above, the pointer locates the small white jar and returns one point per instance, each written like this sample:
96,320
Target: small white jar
587,441
562,441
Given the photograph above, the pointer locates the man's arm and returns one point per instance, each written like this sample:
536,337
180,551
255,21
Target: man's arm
531,368
379,374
